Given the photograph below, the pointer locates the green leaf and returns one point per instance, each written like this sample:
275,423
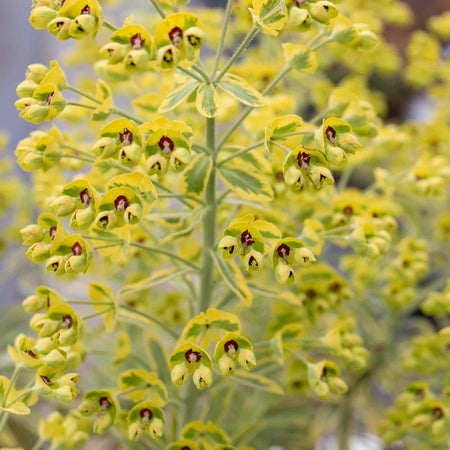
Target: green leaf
234,278
177,96
241,90
258,382
250,186
207,100
300,57
194,179
101,113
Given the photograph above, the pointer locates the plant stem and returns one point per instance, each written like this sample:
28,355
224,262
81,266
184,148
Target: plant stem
163,188
81,302
98,313
241,152
149,319
77,150
83,94
109,26
209,222
119,112
296,133
249,109
38,444
23,394
222,38
80,157
204,75
180,196
166,253
250,35
81,105
190,74
158,8
111,244
12,382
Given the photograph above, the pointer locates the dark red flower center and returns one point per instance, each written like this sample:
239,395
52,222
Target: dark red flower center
104,403
166,145
192,356
176,36
85,197
168,56
231,346
185,448
311,293
126,137
45,379
31,353
324,373
330,133
303,160
136,41
246,239
67,321
52,232
76,249
348,211
438,413
49,98
146,415
121,203
335,287
86,10
283,251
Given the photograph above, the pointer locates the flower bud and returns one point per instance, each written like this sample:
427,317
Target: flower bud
348,142
36,72
247,358
179,159
64,394
179,374
168,57
41,16
30,161
156,428
38,252
79,439
253,261
76,264
136,59
323,11
156,165
26,88
202,377
32,234
195,37
322,389
284,274
33,303
106,220
56,265
294,178
45,327
82,26
335,155
87,407
372,251
55,359
226,366
300,19
229,245
134,431
321,176
36,114
130,155
133,213
82,219
44,345
367,40
23,103
113,52
304,256
64,205
60,27
105,147
337,386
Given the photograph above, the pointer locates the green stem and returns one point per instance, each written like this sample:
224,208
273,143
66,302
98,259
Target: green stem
166,253
38,444
204,75
296,133
98,313
80,157
81,302
109,26
222,38
250,35
23,394
83,94
249,109
119,112
158,8
209,222
81,152
163,188
190,74
100,238
12,382
149,319
112,244
199,148
241,152
81,105
180,196
3,419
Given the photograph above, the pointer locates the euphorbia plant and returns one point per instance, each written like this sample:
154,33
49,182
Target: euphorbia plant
248,297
